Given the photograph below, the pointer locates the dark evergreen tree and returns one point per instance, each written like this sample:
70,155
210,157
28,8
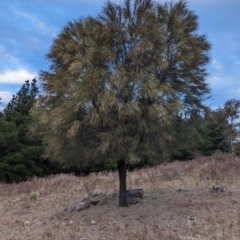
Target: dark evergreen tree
212,133
232,131
200,133
186,137
20,156
1,113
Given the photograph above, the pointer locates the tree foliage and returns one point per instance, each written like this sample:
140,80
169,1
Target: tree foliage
201,133
1,113
20,156
116,82
232,131
186,136
212,133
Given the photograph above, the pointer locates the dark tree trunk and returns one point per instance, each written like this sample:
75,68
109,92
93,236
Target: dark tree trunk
122,184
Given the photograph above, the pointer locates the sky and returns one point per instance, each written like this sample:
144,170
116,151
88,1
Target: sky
28,28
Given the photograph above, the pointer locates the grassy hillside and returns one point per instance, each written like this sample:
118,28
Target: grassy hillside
35,209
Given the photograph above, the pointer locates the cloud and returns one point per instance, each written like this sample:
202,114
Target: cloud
7,57
216,65
223,83
42,26
214,80
223,87
5,97
16,77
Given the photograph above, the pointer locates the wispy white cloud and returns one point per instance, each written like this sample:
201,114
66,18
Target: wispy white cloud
216,64
223,82
5,97
215,80
5,56
42,26
223,87
16,77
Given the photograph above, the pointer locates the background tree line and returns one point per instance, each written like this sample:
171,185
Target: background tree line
198,132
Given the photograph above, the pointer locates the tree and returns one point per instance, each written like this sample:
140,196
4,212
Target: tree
212,133
186,137
1,114
20,156
116,81
18,108
232,114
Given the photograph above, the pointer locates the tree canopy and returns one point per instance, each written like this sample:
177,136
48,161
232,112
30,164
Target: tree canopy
20,156
117,80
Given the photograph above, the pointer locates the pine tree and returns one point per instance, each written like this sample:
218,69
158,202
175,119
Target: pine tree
211,129
232,131
116,82
20,156
186,138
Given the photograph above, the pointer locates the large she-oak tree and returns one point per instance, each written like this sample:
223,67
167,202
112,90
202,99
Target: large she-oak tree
116,80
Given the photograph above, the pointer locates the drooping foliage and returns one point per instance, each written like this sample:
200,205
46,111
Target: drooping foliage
116,82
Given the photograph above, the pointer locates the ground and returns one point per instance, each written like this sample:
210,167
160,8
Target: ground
178,203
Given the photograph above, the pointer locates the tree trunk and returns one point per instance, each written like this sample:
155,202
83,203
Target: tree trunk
122,184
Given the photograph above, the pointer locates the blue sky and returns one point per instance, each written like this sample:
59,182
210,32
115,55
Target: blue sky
28,27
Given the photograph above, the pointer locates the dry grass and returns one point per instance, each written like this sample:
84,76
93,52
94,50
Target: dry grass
35,209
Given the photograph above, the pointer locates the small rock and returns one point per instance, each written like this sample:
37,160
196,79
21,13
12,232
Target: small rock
78,205
26,223
133,196
93,222
133,200
82,205
98,199
218,189
114,195
137,193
